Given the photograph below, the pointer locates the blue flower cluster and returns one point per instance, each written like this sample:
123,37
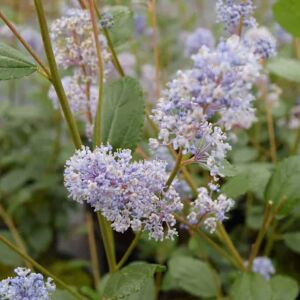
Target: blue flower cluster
263,266
208,211
128,194
235,15
198,38
26,286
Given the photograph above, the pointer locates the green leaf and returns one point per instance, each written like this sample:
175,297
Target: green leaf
284,287
123,113
255,217
13,180
292,241
287,14
13,64
131,281
251,286
122,27
250,178
283,186
194,276
40,238
286,68
7,257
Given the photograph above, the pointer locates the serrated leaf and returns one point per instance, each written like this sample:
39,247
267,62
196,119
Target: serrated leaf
283,186
287,14
123,113
251,286
13,64
194,276
122,27
284,287
292,241
130,281
286,68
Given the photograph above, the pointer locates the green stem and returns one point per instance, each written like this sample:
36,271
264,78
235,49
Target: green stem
55,74
175,170
256,246
295,147
271,239
93,249
97,129
108,242
129,250
211,242
114,55
40,268
116,61
14,232
156,52
230,246
271,132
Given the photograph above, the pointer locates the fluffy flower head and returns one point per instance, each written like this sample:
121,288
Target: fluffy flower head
205,209
198,38
26,285
128,194
263,266
234,14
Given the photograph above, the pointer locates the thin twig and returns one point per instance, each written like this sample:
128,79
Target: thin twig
97,130
226,240
156,54
212,243
93,249
256,246
56,80
14,232
271,132
129,250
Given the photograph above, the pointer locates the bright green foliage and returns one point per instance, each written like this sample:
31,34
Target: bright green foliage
249,178
193,276
13,64
122,27
251,286
123,113
131,281
7,257
284,287
286,68
287,13
292,241
283,186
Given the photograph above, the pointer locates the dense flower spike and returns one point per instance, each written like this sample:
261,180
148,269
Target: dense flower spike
182,123
261,41
205,209
74,46
224,78
263,266
26,286
235,14
218,88
198,38
128,194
